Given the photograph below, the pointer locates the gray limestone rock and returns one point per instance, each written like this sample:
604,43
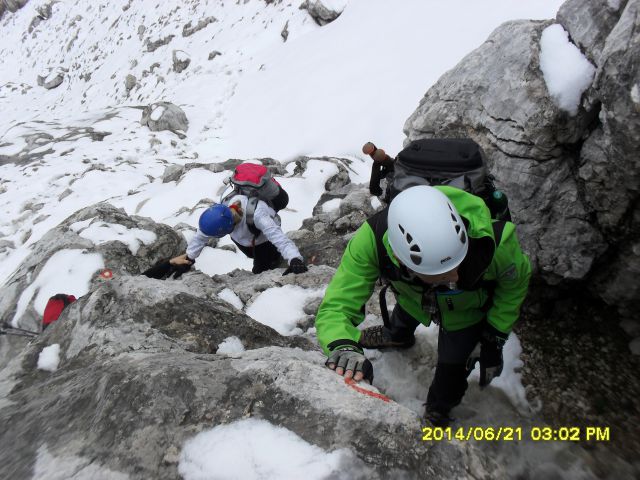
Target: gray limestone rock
319,12
116,255
589,23
130,82
14,5
180,61
164,116
189,30
572,181
153,45
139,375
52,80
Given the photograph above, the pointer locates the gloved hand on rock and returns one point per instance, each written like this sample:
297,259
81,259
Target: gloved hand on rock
296,266
350,362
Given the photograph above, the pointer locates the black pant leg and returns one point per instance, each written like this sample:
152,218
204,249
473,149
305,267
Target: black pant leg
266,257
248,251
401,324
450,380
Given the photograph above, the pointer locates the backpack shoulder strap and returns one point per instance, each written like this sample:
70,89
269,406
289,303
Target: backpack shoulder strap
498,228
378,224
249,212
388,271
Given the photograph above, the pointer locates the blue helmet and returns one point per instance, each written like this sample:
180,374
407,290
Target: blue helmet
216,221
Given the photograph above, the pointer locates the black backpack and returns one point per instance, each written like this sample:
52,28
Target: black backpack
457,162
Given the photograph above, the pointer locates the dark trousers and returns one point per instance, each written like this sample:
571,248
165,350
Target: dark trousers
265,256
454,348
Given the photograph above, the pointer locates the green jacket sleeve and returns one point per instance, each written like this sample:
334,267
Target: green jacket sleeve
511,271
342,307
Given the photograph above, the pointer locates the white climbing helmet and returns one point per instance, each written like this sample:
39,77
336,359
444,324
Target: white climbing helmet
426,232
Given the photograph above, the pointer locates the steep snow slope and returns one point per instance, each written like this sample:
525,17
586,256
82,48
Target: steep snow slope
246,92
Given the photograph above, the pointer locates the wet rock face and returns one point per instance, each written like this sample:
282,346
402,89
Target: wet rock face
572,181
138,376
117,255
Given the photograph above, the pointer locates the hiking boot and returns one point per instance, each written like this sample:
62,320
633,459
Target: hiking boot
380,337
437,418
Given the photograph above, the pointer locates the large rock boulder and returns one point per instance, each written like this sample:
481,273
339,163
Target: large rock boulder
321,13
572,180
69,258
165,116
139,375
13,5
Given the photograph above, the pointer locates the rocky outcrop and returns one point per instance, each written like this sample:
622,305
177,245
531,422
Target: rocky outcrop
165,116
180,61
189,30
153,45
71,235
53,79
572,180
130,82
139,375
319,12
11,5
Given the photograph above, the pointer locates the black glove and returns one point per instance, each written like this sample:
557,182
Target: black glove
163,270
296,266
351,358
491,362
178,270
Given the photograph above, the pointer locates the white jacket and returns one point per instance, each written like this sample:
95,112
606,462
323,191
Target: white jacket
265,219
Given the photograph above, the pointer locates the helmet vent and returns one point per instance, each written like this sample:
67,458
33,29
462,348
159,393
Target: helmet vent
458,229
463,238
453,217
415,248
416,259
409,238
401,229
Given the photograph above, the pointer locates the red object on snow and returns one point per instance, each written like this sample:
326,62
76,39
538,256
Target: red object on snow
54,308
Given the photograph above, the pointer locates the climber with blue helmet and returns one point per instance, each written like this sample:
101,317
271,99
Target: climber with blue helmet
264,241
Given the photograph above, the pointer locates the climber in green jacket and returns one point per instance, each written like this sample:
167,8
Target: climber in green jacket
447,262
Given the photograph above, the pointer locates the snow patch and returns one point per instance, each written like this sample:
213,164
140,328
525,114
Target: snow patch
231,345
157,113
566,71
230,296
67,271
281,307
254,449
49,358
102,232
331,205
216,261
304,192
